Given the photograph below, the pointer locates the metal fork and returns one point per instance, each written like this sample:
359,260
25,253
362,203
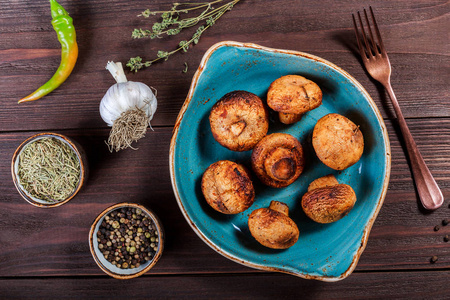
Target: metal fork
377,64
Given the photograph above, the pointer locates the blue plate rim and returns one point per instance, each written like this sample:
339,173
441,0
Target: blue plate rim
230,256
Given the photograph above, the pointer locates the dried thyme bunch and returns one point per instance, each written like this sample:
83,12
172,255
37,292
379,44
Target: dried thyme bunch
172,24
49,169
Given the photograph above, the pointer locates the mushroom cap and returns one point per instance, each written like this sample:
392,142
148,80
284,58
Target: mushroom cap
294,94
272,227
328,203
239,120
227,187
278,159
337,141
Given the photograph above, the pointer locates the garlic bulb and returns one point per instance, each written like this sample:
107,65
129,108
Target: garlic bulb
128,107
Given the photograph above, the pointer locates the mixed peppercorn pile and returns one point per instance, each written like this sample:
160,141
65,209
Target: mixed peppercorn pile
128,238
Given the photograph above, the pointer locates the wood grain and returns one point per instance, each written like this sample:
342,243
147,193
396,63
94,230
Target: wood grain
29,54
380,285
54,241
44,253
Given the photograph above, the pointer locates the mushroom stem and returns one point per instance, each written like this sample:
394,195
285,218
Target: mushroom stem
325,181
279,207
287,118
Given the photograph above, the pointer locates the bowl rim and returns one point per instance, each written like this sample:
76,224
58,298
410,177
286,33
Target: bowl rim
372,104
155,258
72,144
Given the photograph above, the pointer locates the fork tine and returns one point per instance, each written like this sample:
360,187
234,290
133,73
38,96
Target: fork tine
368,52
374,45
380,40
360,46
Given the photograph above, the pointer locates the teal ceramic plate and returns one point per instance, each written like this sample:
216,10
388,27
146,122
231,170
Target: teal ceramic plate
327,252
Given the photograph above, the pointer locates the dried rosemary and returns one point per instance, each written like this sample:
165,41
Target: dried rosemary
49,169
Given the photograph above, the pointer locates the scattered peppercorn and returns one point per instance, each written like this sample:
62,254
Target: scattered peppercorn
433,259
437,227
445,222
127,245
446,238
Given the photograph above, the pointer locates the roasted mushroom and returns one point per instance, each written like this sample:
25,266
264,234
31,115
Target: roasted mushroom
239,120
227,187
272,227
278,159
292,96
337,141
328,201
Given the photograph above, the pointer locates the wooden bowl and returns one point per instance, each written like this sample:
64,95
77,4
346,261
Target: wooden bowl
81,159
108,267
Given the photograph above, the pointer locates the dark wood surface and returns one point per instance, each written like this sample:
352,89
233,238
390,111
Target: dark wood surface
44,253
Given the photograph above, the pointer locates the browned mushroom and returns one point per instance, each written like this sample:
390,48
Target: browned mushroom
328,201
292,96
272,227
278,159
337,141
239,120
227,187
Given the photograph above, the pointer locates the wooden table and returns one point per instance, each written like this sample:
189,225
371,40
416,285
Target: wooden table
44,253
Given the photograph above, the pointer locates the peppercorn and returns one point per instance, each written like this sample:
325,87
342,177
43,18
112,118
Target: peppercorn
433,259
446,238
445,222
127,238
437,227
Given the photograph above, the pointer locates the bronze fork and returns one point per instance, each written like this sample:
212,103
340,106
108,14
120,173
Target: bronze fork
377,64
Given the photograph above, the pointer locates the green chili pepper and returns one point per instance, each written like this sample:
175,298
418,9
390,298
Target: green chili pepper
63,25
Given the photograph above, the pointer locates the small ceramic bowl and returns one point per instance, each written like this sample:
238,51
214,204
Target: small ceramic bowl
73,145
108,267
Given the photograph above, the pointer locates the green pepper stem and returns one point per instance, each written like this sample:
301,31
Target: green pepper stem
57,10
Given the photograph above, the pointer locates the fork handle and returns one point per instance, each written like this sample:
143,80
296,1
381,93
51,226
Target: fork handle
429,193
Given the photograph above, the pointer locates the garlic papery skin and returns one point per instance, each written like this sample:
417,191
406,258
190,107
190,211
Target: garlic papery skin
121,101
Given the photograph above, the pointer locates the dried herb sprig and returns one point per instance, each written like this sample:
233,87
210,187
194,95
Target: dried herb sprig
172,24
49,169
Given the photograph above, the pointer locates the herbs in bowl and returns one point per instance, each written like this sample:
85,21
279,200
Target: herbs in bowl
48,169
126,240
